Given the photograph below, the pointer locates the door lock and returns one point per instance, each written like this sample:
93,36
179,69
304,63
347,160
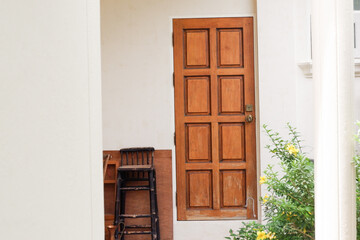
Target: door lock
249,107
249,118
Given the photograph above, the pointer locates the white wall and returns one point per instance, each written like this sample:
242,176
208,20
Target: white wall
137,76
137,67
276,54
285,94
50,120
279,75
357,98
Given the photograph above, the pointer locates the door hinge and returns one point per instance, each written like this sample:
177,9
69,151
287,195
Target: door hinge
173,79
172,39
174,139
176,201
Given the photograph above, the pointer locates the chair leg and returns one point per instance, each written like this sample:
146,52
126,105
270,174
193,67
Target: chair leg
157,209
117,206
122,211
153,210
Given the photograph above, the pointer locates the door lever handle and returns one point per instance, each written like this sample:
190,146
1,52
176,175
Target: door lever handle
249,118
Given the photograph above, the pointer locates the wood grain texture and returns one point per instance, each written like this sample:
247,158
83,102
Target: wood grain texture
231,95
138,202
197,94
232,144
229,47
233,188
217,56
198,142
196,49
199,189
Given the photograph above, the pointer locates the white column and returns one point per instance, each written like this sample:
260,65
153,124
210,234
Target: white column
332,32
50,121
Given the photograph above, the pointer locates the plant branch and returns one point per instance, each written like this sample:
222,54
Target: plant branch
301,232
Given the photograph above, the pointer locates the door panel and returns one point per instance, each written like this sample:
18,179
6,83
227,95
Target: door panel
197,94
198,142
233,188
229,47
232,141
196,48
199,189
231,95
215,151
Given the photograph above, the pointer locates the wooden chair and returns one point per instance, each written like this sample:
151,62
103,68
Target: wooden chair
137,165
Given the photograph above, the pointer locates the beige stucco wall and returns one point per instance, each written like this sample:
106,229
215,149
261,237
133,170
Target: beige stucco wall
50,121
137,67
50,172
138,108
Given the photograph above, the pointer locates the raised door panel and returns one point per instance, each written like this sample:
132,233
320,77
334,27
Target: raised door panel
196,48
197,95
199,189
232,142
198,142
233,188
230,48
231,95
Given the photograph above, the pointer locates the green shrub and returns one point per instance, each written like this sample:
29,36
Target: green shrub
289,203
248,231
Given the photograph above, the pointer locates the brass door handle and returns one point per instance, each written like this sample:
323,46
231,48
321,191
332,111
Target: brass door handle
249,118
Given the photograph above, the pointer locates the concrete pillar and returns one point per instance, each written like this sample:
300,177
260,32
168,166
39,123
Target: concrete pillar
50,121
332,38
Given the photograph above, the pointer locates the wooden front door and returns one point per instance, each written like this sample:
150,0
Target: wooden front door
214,95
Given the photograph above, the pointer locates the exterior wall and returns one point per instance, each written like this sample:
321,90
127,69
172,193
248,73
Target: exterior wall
50,121
50,126
357,98
285,94
137,67
357,59
137,77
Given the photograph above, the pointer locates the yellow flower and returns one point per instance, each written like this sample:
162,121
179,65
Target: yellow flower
304,230
265,198
271,235
262,179
292,149
261,235
288,216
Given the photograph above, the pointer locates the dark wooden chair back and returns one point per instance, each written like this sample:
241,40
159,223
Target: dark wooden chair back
135,159
137,156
